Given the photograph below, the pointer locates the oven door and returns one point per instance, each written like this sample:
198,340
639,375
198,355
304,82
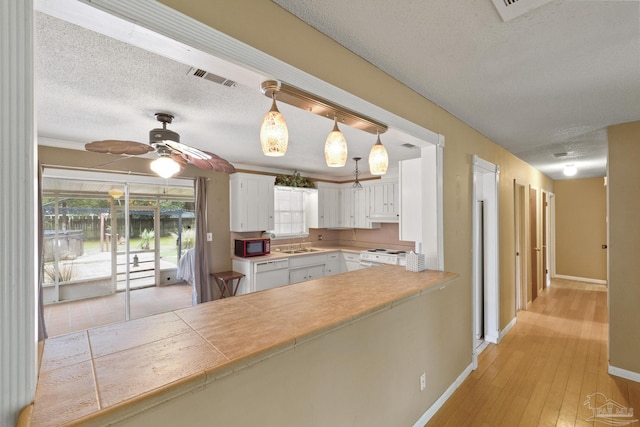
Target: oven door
367,264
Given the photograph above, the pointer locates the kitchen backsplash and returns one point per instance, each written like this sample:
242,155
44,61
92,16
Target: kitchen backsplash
384,237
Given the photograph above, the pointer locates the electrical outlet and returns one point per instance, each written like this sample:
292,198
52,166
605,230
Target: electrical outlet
209,237
423,381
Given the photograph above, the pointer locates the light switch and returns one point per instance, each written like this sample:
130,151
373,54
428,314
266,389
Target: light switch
209,237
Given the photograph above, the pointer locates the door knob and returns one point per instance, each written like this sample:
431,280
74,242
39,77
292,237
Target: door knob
604,246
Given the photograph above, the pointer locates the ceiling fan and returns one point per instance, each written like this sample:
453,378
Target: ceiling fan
174,156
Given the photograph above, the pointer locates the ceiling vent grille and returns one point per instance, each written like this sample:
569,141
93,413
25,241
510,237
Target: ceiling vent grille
509,9
407,145
212,77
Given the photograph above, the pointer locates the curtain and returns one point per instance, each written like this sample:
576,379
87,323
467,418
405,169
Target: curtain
201,290
42,330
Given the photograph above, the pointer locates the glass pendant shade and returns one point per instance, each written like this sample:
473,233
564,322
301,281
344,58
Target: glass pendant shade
274,135
335,148
378,159
165,166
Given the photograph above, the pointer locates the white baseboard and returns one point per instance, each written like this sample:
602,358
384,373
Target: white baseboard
623,373
580,279
507,329
424,419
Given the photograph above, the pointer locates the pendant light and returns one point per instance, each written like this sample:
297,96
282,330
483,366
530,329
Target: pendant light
356,183
378,158
335,148
274,135
165,166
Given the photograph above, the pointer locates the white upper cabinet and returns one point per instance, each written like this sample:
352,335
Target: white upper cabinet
384,202
328,205
251,198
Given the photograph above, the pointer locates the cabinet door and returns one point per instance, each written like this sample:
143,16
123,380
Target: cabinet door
315,272
297,275
360,208
251,202
264,204
346,208
332,267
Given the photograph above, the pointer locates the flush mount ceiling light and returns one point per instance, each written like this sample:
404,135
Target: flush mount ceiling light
378,159
116,193
309,102
335,148
356,172
274,135
570,170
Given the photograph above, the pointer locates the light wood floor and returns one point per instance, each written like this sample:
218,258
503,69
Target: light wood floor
545,368
72,316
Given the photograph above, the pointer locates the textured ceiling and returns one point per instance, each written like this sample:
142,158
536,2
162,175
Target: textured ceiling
93,87
547,82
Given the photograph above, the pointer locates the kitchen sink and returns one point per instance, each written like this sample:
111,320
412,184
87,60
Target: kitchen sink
301,251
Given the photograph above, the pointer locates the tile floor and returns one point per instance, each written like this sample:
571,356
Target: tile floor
72,316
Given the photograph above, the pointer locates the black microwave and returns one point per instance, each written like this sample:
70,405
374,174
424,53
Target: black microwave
252,247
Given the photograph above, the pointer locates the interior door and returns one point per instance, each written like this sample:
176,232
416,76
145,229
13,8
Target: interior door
545,267
533,240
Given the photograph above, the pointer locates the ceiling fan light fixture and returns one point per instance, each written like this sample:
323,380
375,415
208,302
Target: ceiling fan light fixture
335,147
165,166
570,170
274,135
378,159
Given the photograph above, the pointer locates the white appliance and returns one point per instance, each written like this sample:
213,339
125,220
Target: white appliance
271,274
379,256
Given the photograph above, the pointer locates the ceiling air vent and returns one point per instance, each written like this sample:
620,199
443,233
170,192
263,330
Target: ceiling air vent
212,77
509,9
407,145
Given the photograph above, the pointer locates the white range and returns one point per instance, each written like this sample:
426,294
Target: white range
378,256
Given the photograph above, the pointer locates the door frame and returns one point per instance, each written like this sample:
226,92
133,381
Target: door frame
520,244
485,187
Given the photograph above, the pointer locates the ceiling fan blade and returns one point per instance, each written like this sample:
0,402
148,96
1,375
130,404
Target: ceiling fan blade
114,146
185,149
179,159
215,163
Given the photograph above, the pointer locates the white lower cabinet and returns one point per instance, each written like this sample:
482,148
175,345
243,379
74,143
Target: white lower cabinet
267,274
333,265
261,275
351,261
297,275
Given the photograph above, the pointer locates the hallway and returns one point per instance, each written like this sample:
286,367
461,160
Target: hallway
544,370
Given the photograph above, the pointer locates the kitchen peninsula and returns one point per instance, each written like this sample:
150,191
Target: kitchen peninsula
341,350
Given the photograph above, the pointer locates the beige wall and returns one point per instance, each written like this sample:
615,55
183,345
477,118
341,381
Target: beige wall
624,246
217,192
581,228
364,373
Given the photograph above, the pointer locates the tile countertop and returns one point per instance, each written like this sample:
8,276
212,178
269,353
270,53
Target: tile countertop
103,374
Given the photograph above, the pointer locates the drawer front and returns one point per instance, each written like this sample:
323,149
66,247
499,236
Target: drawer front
302,260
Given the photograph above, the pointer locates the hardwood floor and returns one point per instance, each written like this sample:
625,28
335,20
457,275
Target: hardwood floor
545,368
